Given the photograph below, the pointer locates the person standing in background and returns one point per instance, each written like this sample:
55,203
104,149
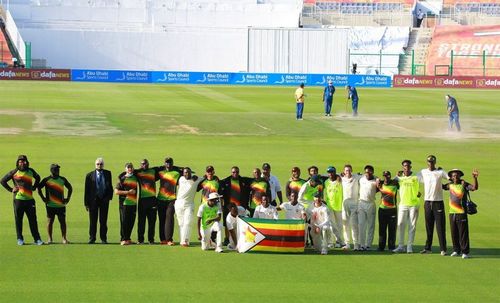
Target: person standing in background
54,200
299,99
328,97
98,193
25,180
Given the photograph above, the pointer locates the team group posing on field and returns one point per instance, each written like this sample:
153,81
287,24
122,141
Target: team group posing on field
340,209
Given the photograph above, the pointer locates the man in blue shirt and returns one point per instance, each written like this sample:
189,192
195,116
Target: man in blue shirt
452,108
328,97
353,95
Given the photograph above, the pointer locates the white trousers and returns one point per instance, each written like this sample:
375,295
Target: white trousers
366,221
350,221
207,233
184,211
407,215
336,226
320,240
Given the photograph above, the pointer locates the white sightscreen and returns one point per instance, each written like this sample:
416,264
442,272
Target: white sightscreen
298,50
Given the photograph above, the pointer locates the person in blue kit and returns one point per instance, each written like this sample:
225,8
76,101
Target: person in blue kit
453,113
328,98
352,94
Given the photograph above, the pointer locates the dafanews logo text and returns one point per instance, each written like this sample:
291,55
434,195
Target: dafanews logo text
35,74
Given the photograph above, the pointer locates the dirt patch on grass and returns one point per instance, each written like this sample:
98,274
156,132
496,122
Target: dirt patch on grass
397,126
73,124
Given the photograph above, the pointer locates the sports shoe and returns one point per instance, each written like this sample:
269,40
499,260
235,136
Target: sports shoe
65,241
465,256
346,247
425,251
399,249
324,251
39,242
184,245
163,242
454,254
20,242
338,245
219,250
170,243
409,249
123,242
104,242
443,253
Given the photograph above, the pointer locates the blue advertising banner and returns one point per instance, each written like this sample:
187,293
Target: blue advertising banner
216,78
123,76
270,79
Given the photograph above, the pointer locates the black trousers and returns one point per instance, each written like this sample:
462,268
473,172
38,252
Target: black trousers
20,208
459,225
99,210
166,212
434,212
129,212
121,211
146,209
387,223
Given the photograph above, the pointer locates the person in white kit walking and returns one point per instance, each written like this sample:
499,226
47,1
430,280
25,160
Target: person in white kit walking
432,178
184,205
350,189
367,208
209,215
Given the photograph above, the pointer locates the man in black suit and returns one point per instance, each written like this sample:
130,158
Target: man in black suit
98,193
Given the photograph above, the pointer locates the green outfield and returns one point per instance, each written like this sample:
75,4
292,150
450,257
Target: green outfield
73,123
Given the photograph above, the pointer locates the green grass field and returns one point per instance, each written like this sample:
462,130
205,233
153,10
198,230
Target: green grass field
73,123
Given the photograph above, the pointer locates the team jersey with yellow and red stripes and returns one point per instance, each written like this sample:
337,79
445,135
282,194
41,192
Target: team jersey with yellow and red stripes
168,184
147,177
54,190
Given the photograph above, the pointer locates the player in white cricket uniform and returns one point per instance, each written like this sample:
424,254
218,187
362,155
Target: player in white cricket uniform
274,184
184,205
265,210
432,178
293,209
367,208
209,215
320,225
350,189
232,224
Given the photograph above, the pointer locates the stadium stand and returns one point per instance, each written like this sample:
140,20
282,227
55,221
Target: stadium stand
477,12
5,53
357,13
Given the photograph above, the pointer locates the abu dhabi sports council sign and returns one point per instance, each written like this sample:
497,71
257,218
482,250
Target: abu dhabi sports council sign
446,82
269,79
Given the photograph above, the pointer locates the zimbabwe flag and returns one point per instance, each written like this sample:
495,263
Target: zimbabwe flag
280,236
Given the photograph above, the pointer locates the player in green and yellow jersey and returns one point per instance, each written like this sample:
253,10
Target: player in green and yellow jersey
129,186
409,205
387,211
459,223
55,201
167,193
25,180
258,187
333,199
210,184
147,206
294,183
